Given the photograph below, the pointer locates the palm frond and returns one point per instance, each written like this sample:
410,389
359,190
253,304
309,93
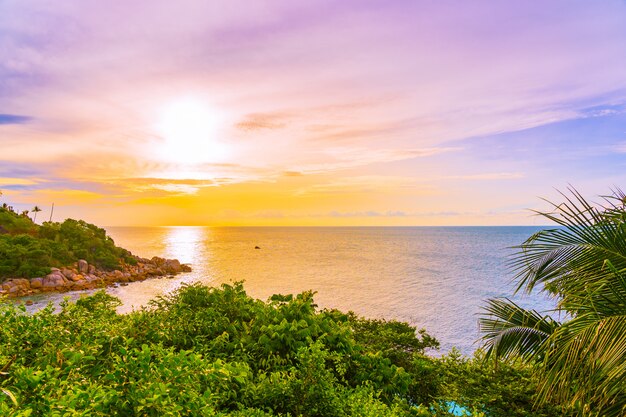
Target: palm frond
510,330
559,258
582,262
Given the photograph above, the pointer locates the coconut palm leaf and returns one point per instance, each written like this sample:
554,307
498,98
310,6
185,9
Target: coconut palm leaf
582,262
509,330
591,349
570,258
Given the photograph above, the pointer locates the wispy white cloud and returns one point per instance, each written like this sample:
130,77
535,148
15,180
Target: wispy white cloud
487,176
374,184
342,158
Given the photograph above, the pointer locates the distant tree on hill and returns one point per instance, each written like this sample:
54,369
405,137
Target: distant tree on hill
35,210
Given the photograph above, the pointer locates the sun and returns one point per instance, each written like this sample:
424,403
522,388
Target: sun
188,130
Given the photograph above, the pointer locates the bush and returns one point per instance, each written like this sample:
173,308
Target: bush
29,250
217,352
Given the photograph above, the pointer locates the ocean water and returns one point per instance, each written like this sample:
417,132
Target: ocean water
436,278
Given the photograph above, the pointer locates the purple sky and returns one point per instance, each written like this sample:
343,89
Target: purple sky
283,112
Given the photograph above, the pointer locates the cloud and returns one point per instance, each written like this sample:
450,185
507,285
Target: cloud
292,174
342,158
487,176
14,119
370,213
369,184
260,121
604,110
170,186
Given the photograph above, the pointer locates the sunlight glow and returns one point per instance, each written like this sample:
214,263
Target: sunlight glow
184,243
189,131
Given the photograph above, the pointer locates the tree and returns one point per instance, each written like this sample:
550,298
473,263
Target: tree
581,362
35,210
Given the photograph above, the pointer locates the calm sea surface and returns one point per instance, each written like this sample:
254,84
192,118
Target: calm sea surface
432,277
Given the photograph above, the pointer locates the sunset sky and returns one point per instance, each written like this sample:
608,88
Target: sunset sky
309,112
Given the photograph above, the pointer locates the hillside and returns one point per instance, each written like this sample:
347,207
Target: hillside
29,250
71,255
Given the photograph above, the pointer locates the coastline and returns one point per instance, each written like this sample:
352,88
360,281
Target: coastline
83,276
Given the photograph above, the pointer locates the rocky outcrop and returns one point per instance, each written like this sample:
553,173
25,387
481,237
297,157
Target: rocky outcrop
82,276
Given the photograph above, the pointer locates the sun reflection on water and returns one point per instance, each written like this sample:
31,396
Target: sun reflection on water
185,243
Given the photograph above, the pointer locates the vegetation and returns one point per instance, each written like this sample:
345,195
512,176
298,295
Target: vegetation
29,250
35,210
580,362
217,352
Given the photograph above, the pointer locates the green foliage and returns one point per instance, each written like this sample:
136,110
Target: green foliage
77,239
398,344
29,250
14,223
582,361
495,389
217,352
24,256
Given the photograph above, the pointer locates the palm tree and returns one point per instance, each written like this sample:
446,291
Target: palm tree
580,362
35,210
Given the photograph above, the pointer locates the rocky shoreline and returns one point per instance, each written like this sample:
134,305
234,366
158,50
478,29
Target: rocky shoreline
82,276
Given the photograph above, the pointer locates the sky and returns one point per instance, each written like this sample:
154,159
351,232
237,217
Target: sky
354,112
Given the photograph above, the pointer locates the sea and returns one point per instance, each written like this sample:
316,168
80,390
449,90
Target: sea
436,278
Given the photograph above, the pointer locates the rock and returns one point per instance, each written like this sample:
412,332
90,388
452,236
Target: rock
29,302
257,247
81,284
84,276
172,266
16,287
53,281
68,273
83,266
22,282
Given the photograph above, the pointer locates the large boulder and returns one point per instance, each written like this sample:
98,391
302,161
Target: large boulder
68,273
83,266
16,287
54,281
172,266
36,283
